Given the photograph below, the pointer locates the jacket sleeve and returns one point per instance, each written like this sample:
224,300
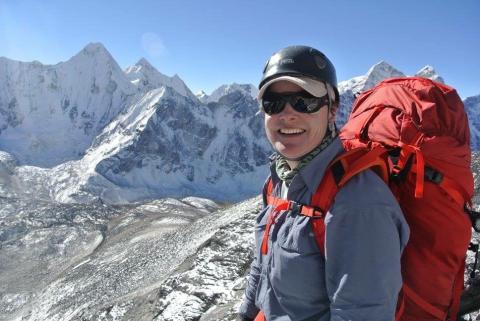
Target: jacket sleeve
363,247
248,307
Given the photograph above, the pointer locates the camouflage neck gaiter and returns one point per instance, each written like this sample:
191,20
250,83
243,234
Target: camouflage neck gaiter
286,174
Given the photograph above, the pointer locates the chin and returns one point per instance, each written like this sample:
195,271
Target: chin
290,155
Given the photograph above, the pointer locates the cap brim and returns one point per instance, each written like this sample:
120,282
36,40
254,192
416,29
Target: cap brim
312,86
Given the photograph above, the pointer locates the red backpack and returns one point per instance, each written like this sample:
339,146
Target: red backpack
414,133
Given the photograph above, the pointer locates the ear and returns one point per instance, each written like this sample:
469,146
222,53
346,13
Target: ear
332,113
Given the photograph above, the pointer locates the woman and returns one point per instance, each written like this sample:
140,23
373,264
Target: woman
355,273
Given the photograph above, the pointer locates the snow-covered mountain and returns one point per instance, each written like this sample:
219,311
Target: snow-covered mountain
375,74
50,114
167,260
170,259
61,261
348,89
472,107
160,146
167,146
155,138
160,140
430,73
145,77
246,89
202,96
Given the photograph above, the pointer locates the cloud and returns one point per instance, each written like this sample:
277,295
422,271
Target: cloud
153,44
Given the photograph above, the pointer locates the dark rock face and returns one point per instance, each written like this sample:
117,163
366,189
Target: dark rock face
198,147
173,137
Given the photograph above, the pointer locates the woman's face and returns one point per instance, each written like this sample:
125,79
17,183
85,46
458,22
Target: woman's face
291,133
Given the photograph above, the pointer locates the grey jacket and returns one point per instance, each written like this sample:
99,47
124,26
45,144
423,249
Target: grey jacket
358,278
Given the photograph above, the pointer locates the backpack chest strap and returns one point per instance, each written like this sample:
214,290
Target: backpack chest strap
279,205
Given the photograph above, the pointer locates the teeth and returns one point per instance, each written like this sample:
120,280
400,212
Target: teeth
291,131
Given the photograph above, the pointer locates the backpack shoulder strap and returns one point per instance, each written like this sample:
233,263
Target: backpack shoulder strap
340,171
344,168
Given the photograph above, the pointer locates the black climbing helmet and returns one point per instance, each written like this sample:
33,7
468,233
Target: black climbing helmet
300,61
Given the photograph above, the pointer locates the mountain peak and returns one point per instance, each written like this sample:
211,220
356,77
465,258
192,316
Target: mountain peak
96,51
383,68
93,47
202,96
246,89
430,73
379,72
144,63
146,77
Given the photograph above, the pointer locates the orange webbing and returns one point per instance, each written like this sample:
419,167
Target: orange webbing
318,227
278,205
451,188
327,189
325,193
311,211
353,162
366,160
406,151
260,317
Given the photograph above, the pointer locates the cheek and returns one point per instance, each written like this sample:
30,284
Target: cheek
269,127
319,127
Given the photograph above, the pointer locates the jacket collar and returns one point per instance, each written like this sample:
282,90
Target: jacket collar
312,174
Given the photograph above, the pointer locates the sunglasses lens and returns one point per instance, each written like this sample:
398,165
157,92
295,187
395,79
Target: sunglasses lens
301,102
307,105
273,104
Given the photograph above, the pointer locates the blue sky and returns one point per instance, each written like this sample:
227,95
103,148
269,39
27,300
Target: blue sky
213,42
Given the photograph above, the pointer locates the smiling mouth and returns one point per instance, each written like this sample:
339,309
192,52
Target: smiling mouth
291,131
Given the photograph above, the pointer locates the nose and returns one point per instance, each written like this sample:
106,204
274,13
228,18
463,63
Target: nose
288,113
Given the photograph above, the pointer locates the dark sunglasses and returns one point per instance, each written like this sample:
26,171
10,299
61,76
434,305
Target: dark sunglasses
303,102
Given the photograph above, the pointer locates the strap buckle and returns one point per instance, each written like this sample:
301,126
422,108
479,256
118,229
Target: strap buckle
294,206
312,212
